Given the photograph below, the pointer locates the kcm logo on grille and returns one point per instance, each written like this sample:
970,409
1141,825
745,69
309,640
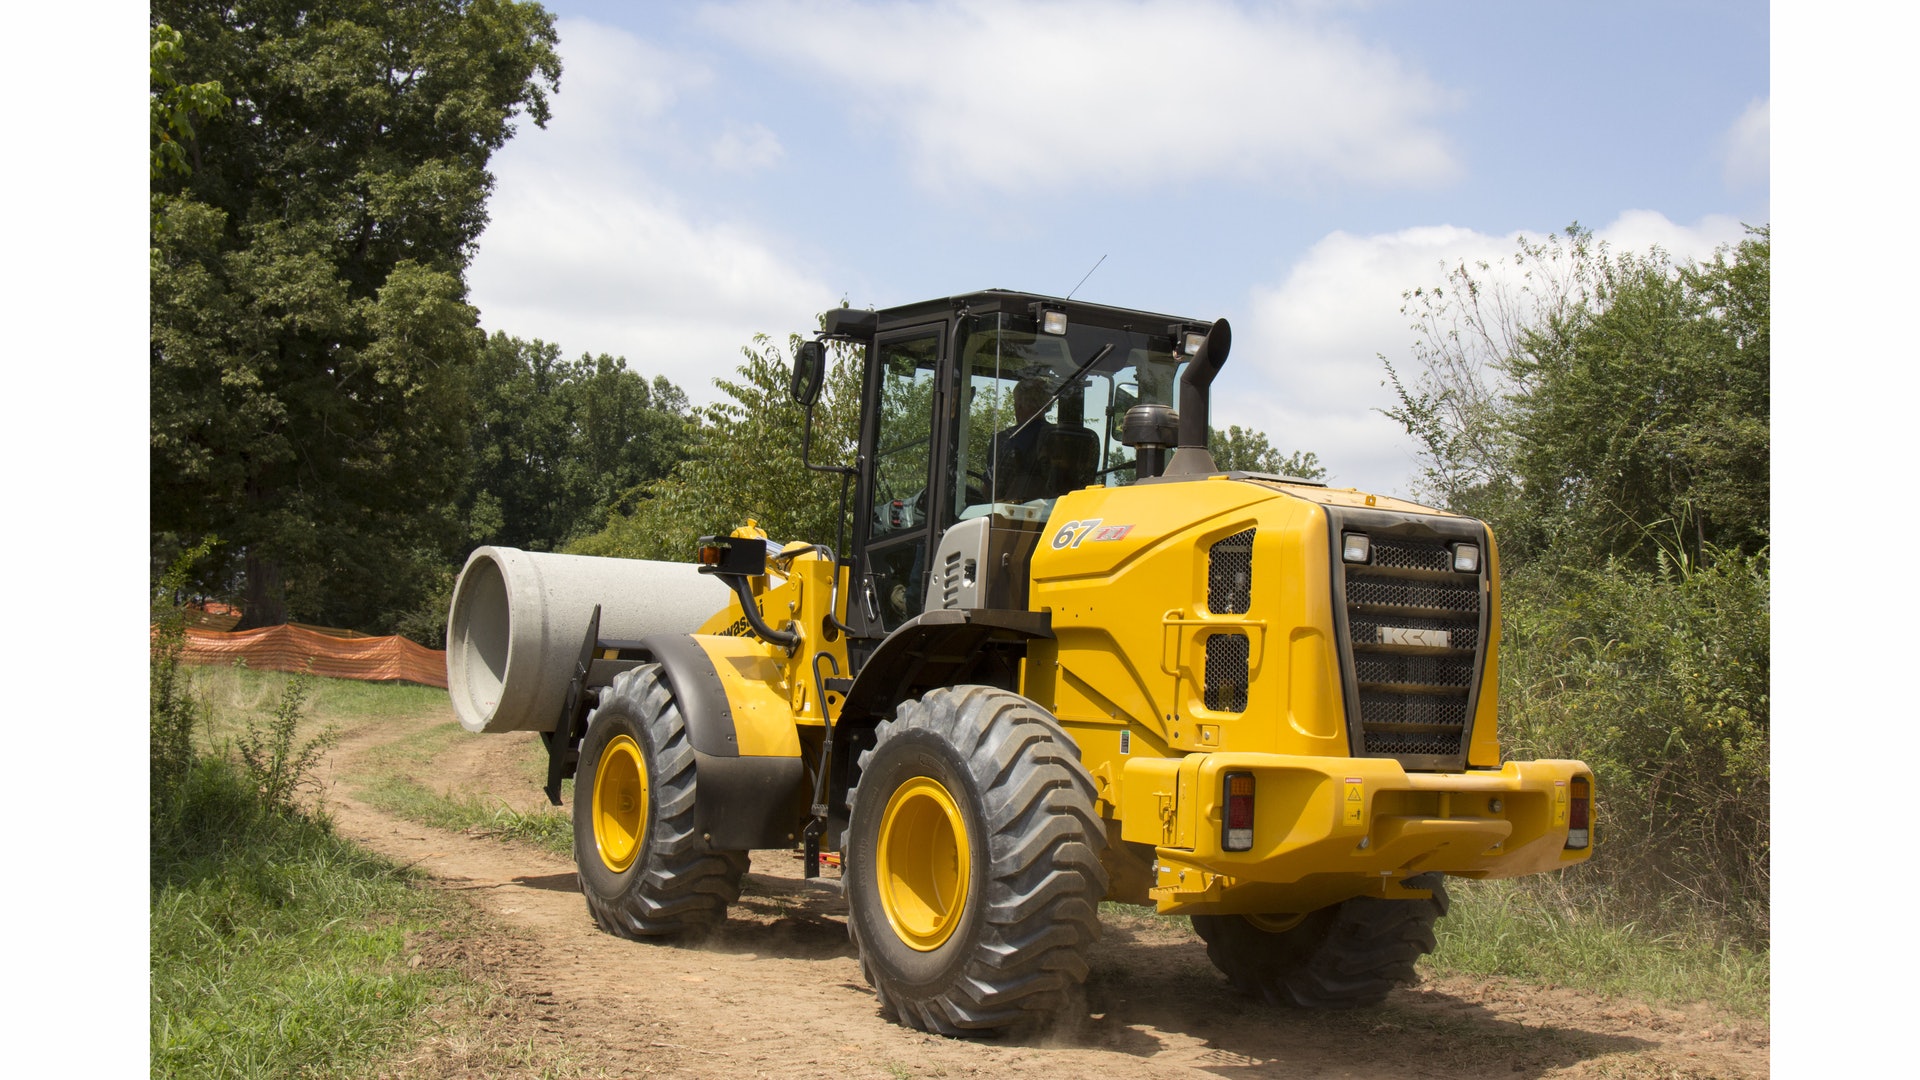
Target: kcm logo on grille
1406,635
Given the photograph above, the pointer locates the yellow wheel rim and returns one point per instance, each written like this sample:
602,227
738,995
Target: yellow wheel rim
619,803
923,863
1274,924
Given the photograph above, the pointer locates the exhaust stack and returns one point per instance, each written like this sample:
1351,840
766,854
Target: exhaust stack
1192,458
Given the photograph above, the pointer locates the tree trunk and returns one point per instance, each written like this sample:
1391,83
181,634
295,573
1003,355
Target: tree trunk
266,596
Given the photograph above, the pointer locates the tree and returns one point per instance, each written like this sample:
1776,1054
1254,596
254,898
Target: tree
1246,450
745,462
310,335
557,444
173,107
1598,405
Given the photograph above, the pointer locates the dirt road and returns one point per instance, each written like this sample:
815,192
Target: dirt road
778,992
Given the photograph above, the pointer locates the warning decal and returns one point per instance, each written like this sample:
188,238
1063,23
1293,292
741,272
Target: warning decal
1559,802
1356,803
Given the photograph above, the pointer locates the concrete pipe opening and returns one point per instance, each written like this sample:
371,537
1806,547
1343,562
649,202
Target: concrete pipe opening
519,618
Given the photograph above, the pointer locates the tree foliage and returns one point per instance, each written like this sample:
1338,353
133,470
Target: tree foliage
558,444
310,336
173,107
744,462
1598,405
1246,450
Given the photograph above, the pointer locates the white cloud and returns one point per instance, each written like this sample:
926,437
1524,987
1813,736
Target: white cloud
1306,368
597,267
1746,147
586,250
1067,94
746,148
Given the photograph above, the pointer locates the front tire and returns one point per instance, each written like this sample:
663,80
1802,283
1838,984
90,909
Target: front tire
974,878
1347,956
644,868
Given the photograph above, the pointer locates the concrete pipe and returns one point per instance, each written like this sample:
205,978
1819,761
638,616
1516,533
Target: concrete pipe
519,618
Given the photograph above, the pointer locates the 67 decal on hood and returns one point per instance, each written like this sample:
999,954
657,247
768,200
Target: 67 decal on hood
1075,533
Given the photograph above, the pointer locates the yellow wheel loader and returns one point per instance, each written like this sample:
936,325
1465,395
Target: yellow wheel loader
1055,657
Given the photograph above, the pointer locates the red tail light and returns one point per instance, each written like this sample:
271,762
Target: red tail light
1238,835
1580,799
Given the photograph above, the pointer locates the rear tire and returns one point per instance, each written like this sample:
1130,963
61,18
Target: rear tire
973,873
644,868
1350,955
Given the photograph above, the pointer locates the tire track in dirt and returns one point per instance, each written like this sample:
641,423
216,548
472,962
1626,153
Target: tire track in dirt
777,992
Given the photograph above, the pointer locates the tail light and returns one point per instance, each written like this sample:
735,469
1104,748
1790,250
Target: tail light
1238,835
1579,804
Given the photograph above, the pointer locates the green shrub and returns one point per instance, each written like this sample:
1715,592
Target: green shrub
1659,680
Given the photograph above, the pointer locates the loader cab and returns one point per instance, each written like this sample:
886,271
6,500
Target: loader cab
986,408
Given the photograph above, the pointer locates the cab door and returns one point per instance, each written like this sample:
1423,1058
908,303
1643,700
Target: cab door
898,504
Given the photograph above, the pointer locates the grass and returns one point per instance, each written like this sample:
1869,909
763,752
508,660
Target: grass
233,694
548,830
278,948
1523,930
391,782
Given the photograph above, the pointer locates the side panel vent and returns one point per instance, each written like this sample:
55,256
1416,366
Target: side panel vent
1225,689
1230,575
951,579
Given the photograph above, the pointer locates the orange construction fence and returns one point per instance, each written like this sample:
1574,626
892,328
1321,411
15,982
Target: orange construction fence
322,652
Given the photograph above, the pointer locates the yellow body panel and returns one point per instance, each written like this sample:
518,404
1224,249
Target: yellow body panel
1125,669
771,694
1320,823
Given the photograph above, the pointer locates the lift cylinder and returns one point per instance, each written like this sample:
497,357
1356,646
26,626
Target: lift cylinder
519,619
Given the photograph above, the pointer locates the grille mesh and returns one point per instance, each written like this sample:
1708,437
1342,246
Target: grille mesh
1226,676
1413,670
1405,554
1230,575
1412,593
1399,745
1399,710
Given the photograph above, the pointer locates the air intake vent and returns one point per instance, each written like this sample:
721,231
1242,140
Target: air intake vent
1230,575
1226,677
951,580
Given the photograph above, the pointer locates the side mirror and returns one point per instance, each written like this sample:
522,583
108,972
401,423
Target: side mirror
809,368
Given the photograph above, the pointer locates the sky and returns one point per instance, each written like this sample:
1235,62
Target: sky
713,171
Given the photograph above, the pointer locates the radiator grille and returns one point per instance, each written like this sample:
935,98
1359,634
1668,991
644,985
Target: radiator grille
1225,688
1413,636
1230,575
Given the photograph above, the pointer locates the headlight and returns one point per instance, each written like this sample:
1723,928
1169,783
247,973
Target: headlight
1353,547
1466,558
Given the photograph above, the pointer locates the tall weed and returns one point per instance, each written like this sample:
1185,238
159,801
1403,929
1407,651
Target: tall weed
1659,680
174,711
277,763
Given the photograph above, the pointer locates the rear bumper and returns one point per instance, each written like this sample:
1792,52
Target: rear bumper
1327,828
